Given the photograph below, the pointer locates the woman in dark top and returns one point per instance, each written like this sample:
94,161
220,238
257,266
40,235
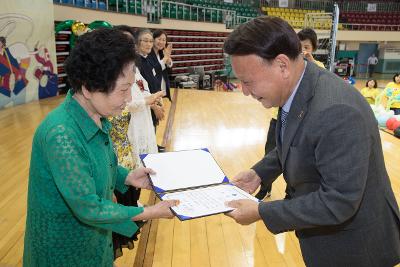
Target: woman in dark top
160,58
151,73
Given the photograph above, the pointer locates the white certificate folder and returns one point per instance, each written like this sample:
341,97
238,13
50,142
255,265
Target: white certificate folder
195,179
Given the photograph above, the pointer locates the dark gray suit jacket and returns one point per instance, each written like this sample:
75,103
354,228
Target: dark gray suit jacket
341,204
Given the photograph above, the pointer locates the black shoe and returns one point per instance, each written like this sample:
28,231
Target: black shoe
161,148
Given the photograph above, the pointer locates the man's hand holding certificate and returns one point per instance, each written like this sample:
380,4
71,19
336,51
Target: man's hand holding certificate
194,178
245,211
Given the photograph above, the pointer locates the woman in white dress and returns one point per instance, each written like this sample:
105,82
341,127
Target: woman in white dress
141,133
141,130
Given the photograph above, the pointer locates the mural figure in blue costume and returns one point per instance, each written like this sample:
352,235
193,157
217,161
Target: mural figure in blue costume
11,77
45,73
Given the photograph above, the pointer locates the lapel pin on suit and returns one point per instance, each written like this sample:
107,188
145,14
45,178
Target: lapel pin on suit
301,114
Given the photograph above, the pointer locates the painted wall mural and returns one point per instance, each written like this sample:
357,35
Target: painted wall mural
27,52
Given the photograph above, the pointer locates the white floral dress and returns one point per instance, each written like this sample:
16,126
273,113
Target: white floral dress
141,132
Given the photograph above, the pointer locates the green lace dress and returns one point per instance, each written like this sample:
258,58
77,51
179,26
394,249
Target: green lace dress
73,173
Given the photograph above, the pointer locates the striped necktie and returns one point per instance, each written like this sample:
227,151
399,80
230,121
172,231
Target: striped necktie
284,115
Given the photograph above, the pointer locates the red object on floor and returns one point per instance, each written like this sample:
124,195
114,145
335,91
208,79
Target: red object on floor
390,123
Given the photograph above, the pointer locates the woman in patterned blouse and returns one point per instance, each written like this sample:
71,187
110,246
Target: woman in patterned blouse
74,169
132,134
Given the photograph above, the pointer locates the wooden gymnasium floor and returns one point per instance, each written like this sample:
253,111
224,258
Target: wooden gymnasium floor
232,126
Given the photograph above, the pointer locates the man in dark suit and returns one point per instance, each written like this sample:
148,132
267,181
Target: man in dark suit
340,201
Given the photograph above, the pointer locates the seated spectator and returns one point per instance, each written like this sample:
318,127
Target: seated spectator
392,94
370,91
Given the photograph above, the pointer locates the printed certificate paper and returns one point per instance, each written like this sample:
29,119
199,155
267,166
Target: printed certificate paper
194,178
206,201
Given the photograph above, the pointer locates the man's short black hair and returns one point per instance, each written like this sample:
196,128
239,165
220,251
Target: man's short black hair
266,37
309,34
98,59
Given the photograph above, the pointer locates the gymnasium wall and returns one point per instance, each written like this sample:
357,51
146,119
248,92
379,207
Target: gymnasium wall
28,63
86,15
388,54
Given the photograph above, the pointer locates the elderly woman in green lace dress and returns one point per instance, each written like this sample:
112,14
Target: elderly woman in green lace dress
74,169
